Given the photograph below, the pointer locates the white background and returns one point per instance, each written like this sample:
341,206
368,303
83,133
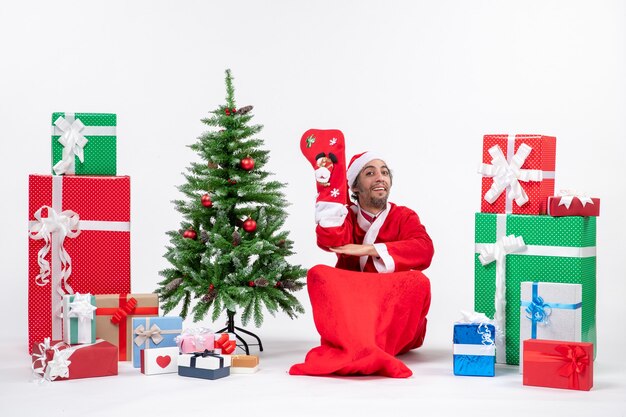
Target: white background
420,82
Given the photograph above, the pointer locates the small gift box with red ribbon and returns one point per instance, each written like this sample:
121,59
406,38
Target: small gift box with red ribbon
57,360
154,332
569,203
114,315
79,318
193,340
225,343
159,360
79,243
518,173
558,364
550,311
205,365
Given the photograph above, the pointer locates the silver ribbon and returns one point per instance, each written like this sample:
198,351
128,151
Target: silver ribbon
497,253
73,143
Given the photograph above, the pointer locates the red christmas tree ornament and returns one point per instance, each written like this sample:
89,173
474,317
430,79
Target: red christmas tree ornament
227,111
247,163
232,181
249,225
206,200
211,287
250,283
190,234
278,284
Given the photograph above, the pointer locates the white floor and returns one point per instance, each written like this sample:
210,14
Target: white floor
432,390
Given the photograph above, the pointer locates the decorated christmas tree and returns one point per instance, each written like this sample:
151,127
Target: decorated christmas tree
230,253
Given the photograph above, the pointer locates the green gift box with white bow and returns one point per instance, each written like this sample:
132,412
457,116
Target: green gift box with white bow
84,144
514,248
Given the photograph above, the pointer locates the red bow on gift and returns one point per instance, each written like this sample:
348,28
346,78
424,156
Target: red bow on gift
227,345
123,312
576,360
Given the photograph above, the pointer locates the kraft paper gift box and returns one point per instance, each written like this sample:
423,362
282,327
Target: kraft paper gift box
114,316
474,352
550,311
518,173
558,364
153,332
79,243
84,143
79,318
206,365
159,361
573,205
514,248
195,340
56,360
244,364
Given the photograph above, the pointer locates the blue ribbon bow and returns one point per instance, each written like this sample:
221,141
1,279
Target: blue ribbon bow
538,311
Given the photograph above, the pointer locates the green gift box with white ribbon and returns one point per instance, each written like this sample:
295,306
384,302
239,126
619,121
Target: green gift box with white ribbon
514,248
84,144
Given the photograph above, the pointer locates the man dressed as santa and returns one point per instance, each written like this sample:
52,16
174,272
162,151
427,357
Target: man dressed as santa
372,306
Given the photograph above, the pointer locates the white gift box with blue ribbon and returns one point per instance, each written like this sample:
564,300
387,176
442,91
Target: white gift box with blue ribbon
550,311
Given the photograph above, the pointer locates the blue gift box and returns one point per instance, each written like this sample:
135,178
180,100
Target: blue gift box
474,349
153,332
207,365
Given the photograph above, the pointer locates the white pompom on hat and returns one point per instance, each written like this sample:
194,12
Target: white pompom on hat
357,163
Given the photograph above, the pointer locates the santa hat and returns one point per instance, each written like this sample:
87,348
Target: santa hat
357,163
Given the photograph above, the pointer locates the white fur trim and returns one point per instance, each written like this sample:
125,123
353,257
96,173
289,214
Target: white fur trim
384,263
355,168
330,214
372,232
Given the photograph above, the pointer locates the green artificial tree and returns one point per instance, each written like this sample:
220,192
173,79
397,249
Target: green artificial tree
231,254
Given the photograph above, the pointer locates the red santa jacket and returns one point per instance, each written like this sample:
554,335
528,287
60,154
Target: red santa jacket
397,233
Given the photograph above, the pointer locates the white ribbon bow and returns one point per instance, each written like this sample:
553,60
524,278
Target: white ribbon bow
73,143
81,307
567,196
143,334
504,246
508,175
65,225
58,367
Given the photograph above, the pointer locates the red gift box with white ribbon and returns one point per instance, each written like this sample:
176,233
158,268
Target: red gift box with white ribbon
518,173
56,360
558,364
79,243
570,203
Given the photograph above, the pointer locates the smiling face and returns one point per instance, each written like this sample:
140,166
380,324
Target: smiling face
372,186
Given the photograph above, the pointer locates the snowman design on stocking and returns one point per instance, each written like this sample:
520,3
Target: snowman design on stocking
325,150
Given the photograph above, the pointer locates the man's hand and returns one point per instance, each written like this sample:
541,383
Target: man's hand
355,250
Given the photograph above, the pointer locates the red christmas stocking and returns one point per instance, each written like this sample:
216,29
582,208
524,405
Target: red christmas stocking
325,150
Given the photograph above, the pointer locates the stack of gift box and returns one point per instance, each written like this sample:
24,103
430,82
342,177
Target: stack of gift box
82,316
535,267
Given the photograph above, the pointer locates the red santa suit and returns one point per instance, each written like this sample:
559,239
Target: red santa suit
397,234
368,310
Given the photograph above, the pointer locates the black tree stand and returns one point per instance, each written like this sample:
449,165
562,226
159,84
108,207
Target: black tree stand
230,328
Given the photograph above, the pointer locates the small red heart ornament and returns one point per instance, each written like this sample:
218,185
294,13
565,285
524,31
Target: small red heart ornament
163,361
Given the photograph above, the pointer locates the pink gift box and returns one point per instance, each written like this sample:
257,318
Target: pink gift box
195,340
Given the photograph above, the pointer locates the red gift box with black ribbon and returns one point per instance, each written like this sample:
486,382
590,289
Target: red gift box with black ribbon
114,313
79,243
558,364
